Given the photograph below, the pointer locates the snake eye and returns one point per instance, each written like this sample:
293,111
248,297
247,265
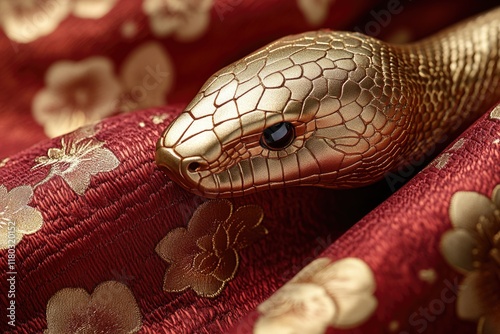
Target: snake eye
278,136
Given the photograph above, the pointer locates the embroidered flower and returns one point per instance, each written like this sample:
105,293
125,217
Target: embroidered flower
159,119
147,76
92,9
323,294
315,11
4,161
473,248
495,113
204,256
186,19
111,308
16,217
77,160
442,160
24,21
76,93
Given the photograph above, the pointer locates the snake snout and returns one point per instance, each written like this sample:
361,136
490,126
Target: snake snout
168,160
183,170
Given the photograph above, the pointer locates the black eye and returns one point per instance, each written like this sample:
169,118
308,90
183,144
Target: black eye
278,136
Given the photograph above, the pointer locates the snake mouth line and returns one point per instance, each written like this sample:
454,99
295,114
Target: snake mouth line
242,177
245,177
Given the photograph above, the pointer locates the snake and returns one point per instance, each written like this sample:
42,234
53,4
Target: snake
331,109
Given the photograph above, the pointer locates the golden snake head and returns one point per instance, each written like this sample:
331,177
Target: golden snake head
309,109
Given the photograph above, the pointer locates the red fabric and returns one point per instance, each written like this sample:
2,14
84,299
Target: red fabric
111,233
255,23
402,237
252,24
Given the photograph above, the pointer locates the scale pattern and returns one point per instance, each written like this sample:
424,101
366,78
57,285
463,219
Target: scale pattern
360,108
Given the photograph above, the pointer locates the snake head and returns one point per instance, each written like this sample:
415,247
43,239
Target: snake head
309,109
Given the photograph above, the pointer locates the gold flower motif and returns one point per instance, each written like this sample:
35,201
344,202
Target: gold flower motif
442,160
147,76
315,11
16,217
111,308
495,113
322,295
473,248
77,160
24,21
186,19
92,9
204,256
4,162
159,119
76,94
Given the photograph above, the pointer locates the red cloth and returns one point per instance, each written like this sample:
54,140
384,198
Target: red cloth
190,60
401,239
111,233
235,29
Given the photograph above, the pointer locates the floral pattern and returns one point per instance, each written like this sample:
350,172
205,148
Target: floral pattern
79,93
323,294
147,76
111,308
78,159
92,9
204,256
186,19
24,21
442,160
495,113
4,162
315,11
159,119
16,217
473,248
76,93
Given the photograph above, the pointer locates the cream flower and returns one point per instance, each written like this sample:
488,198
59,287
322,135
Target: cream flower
495,113
4,161
442,160
92,9
111,308
147,76
473,248
204,256
186,19
323,294
24,21
75,94
16,217
315,11
79,158
159,119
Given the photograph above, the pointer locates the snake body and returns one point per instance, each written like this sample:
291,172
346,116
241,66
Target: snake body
331,109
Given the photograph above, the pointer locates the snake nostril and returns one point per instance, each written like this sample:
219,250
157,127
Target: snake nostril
194,166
